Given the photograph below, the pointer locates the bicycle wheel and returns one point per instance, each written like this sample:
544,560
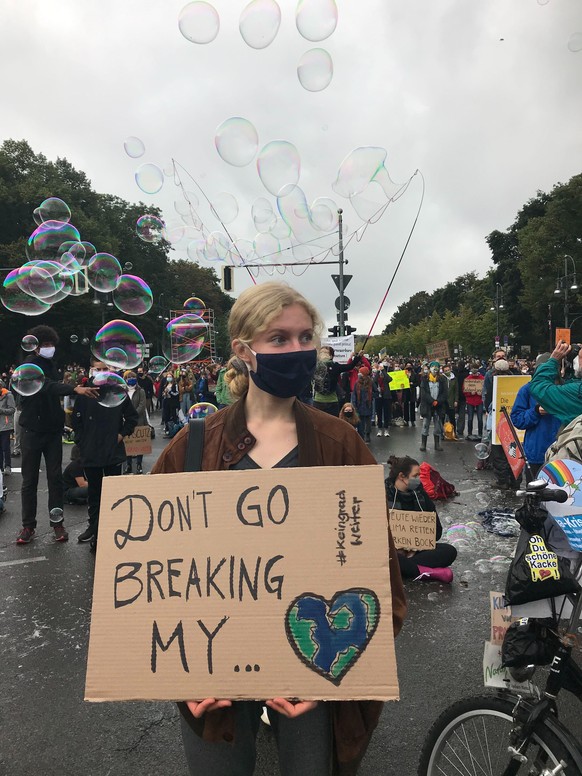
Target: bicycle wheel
471,738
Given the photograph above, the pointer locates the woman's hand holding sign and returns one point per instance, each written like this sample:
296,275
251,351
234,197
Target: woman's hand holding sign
291,709
199,708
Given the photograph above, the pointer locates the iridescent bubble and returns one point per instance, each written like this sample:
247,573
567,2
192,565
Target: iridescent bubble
44,243
279,167
280,230
149,178
134,147
132,295
116,357
360,167
315,70
27,379
217,247
201,410
324,215
237,141
157,364
462,533
194,305
482,451
316,19
54,209
225,207
195,250
199,22
128,266
103,272
36,216
150,229
69,263
243,252
15,300
73,339
41,279
124,336
575,42
184,338
29,343
294,210
112,389
259,23
63,287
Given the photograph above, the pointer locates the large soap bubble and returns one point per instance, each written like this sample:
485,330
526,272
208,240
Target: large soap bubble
482,451
41,279
54,209
119,344
315,70
201,410
225,207
45,242
150,228
157,364
360,167
279,167
194,305
27,379
237,141
112,389
259,23
184,338
15,300
149,178
29,343
132,295
134,147
199,22
316,20
103,272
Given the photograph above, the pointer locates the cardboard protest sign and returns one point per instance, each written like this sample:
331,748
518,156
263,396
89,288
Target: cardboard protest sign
512,452
343,347
140,442
473,385
438,351
566,475
243,585
413,530
495,675
501,617
505,388
563,335
400,380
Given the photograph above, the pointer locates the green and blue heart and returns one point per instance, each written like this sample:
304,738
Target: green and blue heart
329,636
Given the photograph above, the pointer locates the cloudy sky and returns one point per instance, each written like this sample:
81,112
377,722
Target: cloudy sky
482,96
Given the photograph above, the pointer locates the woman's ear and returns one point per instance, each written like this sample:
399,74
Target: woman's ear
242,351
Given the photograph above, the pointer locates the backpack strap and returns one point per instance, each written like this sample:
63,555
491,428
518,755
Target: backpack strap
193,462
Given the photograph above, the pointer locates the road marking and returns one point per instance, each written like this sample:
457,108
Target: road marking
21,561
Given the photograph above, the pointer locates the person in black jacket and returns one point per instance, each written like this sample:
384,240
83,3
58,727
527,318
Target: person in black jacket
433,401
99,432
42,419
404,491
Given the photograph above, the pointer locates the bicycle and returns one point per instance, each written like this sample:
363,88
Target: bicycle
503,733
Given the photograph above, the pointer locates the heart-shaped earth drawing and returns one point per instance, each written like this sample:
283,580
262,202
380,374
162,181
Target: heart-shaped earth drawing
330,636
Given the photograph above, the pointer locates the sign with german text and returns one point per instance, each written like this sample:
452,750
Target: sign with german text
438,351
400,380
343,347
140,442
505,389
413,531
501,617
243,585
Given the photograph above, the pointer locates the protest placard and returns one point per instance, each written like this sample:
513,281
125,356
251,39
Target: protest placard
413,530
400,380
343,347
243,585
495,675
501,617
473,385
438,351
140,442
563,335
505,389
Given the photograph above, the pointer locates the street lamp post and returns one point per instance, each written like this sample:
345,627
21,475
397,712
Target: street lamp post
566,283
498,305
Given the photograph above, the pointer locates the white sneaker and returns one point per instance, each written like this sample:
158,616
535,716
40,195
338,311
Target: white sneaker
7,470
386,432
379,432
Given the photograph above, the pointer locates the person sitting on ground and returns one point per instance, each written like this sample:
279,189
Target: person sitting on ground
74,482
404,491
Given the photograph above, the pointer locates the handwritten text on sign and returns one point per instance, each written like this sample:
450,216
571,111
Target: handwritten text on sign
413,530
227,584
140,442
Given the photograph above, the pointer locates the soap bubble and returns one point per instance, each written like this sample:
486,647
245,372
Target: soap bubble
149,178
54,209
36,216
315,70
461,533
112,389
15,300
128,266
44,243
316,20
500,562
74,339
134,147
201,410
482,451
27,379
184,338
279,167
199,22
194,305
483,566
103,272
237,141
150,229
157,364
259,23
360,167
324,215
225,207
132,295
575,42
41,279
29,343
123,336
266,246
65,289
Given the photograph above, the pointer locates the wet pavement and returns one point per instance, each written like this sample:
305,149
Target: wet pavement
46,728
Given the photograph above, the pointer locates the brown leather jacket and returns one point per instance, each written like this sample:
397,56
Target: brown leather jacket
323,441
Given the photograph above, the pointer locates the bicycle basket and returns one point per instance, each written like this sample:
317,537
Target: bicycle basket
526,643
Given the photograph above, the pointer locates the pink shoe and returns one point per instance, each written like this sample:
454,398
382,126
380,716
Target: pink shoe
440,575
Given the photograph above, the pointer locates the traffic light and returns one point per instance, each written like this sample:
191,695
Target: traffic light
334,331
227,278
350,329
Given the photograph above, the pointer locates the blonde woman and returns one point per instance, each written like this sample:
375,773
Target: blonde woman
274,335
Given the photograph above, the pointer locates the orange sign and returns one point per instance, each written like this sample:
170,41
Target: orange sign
563,335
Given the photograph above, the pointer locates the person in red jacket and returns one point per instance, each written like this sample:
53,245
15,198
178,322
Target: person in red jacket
474,399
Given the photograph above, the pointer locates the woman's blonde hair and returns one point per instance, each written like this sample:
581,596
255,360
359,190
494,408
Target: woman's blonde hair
251,314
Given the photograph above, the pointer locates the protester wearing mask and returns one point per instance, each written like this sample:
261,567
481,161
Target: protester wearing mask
42,420
363,401
325,381
409,396
185,385
170,402
404,491
138,399
474,400
563,401
498,355
274,330
7,410
382,399
452,395
145,381
433,398
349,414
461,372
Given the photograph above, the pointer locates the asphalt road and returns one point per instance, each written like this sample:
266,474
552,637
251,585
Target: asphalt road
46,728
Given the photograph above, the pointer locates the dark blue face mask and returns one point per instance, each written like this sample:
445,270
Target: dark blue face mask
284,374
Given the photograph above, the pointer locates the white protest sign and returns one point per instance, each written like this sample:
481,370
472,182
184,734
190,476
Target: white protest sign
343,347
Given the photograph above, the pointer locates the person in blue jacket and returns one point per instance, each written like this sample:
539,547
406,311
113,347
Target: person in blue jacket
541,428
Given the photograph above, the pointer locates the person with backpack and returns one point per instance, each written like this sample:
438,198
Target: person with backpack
325,380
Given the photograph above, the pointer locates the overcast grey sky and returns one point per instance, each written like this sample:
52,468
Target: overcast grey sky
487,121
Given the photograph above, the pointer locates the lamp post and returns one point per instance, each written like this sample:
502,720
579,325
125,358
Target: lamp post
567,282
497,305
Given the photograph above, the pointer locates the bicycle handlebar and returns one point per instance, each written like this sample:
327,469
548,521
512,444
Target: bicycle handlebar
547,494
